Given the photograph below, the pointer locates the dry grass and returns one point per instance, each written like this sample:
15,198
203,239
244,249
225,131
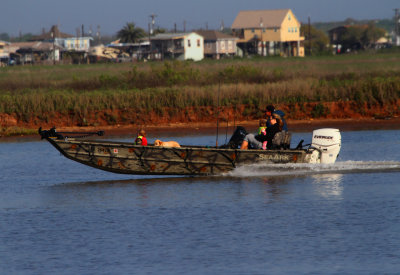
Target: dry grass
37,91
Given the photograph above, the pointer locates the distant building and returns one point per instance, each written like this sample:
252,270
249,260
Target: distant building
268,32
181,46
103,53
337,34
67,41
32,52
218,44
134,51
4,55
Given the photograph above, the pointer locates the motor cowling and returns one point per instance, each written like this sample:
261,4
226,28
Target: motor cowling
328,141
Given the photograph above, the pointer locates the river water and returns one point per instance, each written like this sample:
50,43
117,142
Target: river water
60,217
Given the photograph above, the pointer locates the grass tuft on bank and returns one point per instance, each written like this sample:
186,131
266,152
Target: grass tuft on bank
40,92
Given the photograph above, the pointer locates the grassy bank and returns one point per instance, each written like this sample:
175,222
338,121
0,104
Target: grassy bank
37,93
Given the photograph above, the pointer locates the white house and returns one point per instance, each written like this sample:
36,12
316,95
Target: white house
181,46
217,44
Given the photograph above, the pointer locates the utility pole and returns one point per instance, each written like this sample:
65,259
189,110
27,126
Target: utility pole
153,21
98,33
53,36
309,35
396,27
261,30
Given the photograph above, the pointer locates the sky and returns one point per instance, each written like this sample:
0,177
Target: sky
31,16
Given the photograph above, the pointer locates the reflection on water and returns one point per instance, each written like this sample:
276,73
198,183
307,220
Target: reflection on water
167,192
329,185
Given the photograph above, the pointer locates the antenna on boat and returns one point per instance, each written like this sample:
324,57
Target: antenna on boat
219,88
226,129
234,112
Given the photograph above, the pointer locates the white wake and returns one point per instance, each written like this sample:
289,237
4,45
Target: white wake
294,169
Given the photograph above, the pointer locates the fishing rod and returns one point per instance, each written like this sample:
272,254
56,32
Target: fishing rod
234,112
234,116
219,87
226,129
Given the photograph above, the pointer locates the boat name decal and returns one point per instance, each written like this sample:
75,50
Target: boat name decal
274,157
323,137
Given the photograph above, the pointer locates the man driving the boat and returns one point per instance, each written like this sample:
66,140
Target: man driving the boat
264,141
270,110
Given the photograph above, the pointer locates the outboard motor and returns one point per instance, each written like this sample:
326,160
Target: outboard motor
328,141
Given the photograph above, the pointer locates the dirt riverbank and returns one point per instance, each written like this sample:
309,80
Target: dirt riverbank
211,127
342,115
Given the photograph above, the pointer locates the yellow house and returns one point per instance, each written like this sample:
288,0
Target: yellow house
268,32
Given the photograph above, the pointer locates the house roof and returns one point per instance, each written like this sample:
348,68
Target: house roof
259,19
33,46
48,35
169,36
214,35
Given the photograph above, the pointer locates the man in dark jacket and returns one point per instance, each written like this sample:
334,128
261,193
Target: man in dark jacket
270,109
257,142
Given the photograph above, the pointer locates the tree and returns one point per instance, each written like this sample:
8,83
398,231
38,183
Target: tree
315,40
159,30
351,38
371,35
361,37
130,33
4,36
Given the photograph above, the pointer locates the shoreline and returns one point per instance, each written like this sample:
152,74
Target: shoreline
350,124
294,126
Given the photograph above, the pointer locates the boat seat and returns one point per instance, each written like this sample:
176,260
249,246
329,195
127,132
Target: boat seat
282,140
236,139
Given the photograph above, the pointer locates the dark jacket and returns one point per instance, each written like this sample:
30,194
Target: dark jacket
271,131
282,115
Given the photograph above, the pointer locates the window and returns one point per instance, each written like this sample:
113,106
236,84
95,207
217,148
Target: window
275,29
289,17
263,29
252,30
198,43
288,29
188,42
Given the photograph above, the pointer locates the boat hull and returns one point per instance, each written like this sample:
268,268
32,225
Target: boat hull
126,158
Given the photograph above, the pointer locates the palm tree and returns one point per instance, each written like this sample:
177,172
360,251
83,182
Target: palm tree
130,33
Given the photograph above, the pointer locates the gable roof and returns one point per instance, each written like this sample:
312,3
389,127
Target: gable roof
214,35
32,46
170,36
48,35
259,19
